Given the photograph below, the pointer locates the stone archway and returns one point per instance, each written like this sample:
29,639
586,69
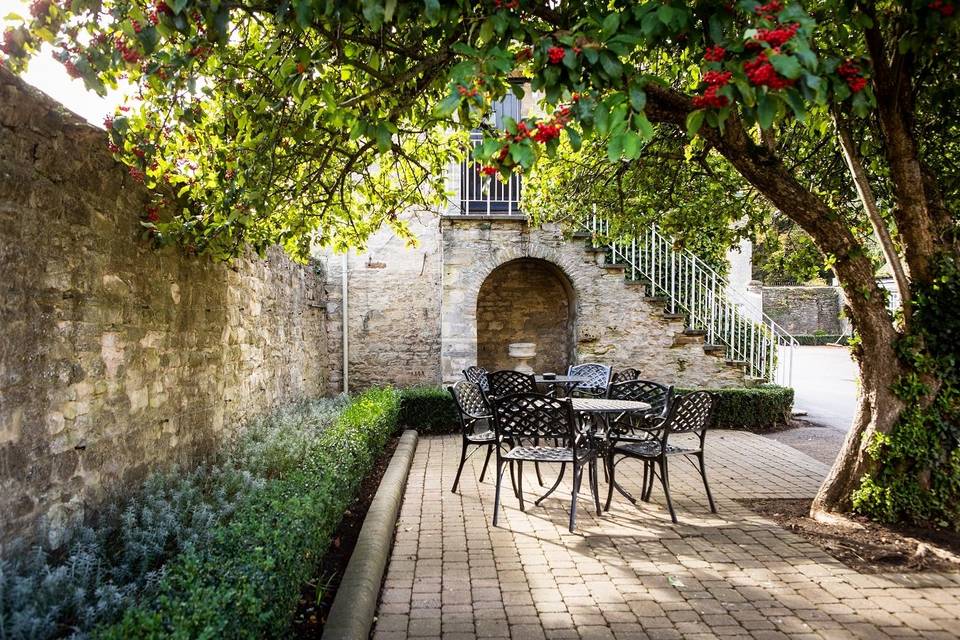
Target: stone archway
474,249
526,300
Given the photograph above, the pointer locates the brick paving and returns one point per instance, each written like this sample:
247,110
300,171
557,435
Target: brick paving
631,573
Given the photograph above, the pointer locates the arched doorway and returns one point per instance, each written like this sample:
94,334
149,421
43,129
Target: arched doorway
526,300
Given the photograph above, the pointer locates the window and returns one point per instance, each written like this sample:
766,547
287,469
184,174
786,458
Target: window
482,195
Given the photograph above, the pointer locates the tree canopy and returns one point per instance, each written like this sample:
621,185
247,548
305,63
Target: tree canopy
293,121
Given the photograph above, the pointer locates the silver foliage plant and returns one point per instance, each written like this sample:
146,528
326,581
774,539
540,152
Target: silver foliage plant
118,557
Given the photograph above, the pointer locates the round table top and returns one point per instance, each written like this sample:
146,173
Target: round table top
564,379
604,405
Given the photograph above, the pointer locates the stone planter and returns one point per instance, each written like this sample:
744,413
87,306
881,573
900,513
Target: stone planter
524,352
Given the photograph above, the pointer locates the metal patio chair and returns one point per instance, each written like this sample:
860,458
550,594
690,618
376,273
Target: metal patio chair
478,376
507,382
623,375
634,427
473,411
520,421
598,379
688,414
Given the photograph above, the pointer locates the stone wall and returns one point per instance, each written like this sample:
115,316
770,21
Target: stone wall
116,359
393,308
804,310
525,301
613,322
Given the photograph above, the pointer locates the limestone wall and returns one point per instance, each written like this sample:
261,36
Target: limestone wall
115,358
393,307
612,323
804,310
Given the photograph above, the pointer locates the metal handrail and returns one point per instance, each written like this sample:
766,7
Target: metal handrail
692,286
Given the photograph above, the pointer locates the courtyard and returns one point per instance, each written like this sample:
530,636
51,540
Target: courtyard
631,573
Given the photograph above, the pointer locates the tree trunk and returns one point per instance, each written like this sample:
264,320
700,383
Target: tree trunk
879,408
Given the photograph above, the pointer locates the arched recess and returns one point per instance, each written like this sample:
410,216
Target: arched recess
526,300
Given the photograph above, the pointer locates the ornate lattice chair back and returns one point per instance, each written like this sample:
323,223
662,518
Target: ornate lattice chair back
507,382
532,417
478,376
470,400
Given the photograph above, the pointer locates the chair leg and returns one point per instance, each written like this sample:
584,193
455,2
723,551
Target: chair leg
520,485
577,476
608,466
536,467
496,495
563,469
665,479
595,485
486,461
463,459
650,478
706,485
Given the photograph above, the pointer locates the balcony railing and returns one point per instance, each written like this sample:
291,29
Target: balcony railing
487,195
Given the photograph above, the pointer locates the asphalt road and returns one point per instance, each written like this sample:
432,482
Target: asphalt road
825,383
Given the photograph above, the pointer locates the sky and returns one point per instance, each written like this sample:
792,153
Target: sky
49,76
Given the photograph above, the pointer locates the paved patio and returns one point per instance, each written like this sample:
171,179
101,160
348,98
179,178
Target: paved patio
631,574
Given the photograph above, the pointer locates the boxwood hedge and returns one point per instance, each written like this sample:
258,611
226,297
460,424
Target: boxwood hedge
432,410
245,582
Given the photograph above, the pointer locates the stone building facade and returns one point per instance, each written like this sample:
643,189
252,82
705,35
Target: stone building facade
475,284
805,310
116,359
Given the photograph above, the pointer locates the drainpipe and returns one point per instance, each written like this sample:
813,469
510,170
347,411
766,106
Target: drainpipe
344,265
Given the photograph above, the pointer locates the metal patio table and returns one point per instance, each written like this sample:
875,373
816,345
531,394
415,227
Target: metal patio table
567,383
601,408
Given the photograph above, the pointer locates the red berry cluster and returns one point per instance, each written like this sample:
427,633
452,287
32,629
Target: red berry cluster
506,4
39,8
768,11
128,53
9,45
159,8
851,73
761,73
715,53
152,214
777,37
487,170
711,99
137,174
467,93
943,7
555,54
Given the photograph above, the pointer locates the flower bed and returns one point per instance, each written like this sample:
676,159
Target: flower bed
221,551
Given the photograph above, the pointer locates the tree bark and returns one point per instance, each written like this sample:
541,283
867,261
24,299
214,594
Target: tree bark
879,408
873,213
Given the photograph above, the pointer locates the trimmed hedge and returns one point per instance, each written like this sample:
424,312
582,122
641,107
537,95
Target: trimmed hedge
246,581
429,410
432,410
753,408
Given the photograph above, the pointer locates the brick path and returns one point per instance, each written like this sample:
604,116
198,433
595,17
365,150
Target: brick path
631,574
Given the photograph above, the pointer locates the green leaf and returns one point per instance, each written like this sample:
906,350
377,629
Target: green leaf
601,118
447,106
644,127
787,66
575,140
384,138
611,65
615,148
638,98
610,25
389,10
766,110
694,122
665,14
632,143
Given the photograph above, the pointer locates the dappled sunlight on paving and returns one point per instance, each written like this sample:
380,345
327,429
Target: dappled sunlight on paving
631,573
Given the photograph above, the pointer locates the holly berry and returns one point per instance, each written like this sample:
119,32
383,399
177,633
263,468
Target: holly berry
555,54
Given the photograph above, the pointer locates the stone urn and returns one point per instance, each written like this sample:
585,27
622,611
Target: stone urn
524,352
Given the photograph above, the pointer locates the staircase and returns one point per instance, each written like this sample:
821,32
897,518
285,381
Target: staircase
689,288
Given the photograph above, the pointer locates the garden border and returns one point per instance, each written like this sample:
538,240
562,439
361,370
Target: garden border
355,605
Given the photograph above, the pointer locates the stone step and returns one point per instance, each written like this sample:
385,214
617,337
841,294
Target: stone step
683,338
674,316
737,363
656,299
714,349
695,332
581,234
